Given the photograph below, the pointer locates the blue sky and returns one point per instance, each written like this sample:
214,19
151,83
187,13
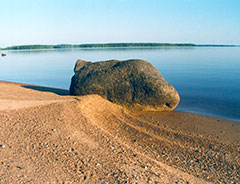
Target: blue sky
103,21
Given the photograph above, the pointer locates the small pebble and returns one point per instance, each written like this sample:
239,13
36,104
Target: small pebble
196,150
2,146
19,167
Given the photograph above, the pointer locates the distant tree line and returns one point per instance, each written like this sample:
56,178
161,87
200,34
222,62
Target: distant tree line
20,47
104,45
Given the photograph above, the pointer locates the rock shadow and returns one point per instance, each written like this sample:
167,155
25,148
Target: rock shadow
57,91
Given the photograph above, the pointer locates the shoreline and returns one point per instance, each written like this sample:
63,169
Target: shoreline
46,135
112,45
208,115
64,92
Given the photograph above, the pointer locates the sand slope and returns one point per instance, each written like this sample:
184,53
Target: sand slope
46,137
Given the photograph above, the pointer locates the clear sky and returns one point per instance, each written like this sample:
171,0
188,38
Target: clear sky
103,21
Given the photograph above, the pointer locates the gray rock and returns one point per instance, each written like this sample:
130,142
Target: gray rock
79,64
135,84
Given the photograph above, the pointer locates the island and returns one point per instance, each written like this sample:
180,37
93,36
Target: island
112,45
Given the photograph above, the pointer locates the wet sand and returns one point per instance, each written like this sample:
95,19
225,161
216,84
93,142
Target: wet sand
48,136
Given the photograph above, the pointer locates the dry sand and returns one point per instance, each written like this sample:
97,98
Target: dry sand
49,137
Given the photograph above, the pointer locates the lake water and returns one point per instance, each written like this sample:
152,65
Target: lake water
207,78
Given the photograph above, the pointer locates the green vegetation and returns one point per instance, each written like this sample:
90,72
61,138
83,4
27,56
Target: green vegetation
105,45
21,47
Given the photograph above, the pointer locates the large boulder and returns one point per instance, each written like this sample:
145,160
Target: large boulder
135,84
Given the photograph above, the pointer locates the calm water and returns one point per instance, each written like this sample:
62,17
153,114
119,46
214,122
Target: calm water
207,79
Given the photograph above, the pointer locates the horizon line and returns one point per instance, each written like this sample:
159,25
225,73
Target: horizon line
131,44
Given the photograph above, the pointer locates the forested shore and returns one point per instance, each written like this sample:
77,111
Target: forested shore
106,45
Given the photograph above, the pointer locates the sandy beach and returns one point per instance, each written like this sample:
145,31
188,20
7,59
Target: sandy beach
47,136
